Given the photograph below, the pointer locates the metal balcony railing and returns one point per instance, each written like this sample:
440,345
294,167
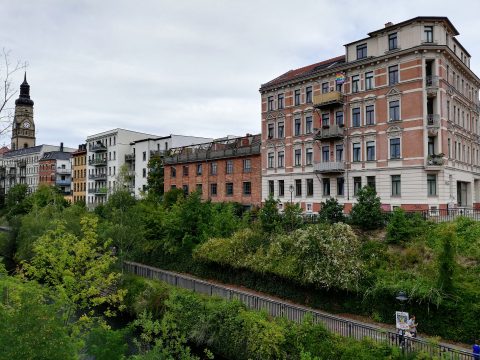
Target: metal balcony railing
98,162
431,81
98,147
333,98
129,157
433,120
98,191
65,182
329,167
64,171
213,154
98,177
330,132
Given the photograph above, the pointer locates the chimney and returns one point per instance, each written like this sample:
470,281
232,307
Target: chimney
388,24
61,147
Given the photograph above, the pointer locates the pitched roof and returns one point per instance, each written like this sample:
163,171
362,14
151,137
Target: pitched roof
56,155
303,71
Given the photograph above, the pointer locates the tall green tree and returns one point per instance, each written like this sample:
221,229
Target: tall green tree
331,211
155,178
78,268
16,201
269,216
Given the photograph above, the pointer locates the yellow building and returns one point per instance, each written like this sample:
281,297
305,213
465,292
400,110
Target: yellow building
79,162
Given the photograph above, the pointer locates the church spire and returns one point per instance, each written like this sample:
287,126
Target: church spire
24,98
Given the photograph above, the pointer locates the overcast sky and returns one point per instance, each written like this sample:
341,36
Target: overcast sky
189,67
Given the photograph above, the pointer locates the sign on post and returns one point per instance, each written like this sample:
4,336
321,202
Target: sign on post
401,320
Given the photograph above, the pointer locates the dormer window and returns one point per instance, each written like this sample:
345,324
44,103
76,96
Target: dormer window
361,51
428,30
392,41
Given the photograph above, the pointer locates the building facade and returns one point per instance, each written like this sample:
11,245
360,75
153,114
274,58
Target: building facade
79,172
398,111
55,170
142,150
221,170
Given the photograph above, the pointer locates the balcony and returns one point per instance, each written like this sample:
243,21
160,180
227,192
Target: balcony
330,132
326,100
435,162
433,124
98,147
98,162
431,85
98,177
22,163
129,157
11,173
64,171
157,152
213,154
329,167
65,182
98,191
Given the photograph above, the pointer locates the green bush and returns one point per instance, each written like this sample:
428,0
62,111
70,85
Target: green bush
331,211
367,212
269,216
292,217
403,227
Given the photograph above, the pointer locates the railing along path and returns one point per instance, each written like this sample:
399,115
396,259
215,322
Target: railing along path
276,308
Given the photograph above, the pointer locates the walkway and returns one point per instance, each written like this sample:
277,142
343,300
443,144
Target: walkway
275,307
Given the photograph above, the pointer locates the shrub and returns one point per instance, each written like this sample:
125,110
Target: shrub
402,227
367,212
446,259
268,215
331,211
292,217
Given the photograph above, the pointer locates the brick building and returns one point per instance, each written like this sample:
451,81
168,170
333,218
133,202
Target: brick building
55,170
79,171
398,111
222,170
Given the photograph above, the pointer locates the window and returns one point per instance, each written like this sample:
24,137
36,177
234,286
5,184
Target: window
356,152
144,156
355,83
369,80
298,157
308,92
270,160
281,130
271,187
298,126
185,189
281,159
396,185
270,103
325,153
361,51
281,187
393,75
280,101
297,97
199,169
428,30
173,172
213,168
326,186
200,188
395,148
213,189
339,118
247,165
309,156
357,185
340,186
339,152
370,115
432,185
229,189
392,41
325,120
309,187
431,145
271,128
371,182
325,87
298,187
185,170
356,117
370,150
308,125
394,110
247,188
229,168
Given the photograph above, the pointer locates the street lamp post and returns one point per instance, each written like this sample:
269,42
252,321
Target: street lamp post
402,298
290,188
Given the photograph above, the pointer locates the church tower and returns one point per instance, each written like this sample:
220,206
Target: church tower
23,128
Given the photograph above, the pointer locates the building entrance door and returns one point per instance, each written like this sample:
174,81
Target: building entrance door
462,193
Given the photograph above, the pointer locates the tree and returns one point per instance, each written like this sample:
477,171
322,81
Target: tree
78,268
331,211
16,202
171,197
367,212
155,177
7,91
269,217
292,217
446,259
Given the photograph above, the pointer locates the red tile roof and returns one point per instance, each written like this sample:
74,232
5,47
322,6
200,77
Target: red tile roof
292,74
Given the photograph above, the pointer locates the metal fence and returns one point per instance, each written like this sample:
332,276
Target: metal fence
296,313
